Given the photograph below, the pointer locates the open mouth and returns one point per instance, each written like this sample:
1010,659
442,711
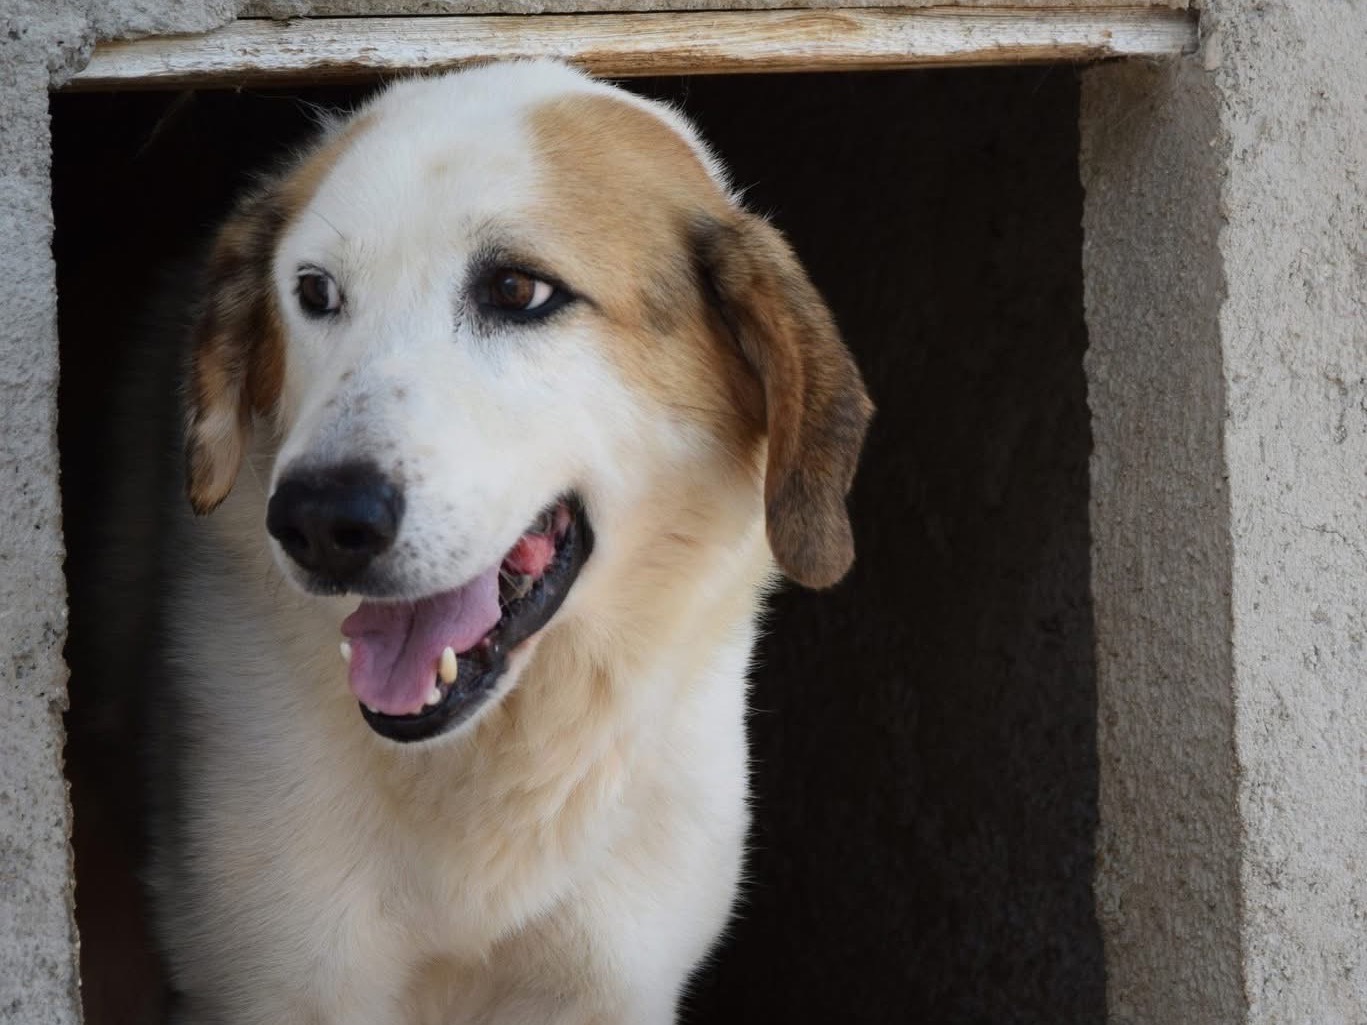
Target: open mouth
421,668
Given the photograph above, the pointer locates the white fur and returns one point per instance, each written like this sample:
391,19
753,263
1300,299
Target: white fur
572,854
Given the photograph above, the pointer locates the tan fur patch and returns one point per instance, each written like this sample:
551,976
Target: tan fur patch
623,192
238,363
713,315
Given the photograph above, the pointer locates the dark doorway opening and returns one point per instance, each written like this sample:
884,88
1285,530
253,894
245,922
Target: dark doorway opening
924,748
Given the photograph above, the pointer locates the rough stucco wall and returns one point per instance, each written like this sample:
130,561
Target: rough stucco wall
1293,78
1167,884
40,43
37,969
1248,159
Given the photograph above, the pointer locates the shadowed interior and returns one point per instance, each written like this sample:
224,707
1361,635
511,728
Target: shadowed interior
923,738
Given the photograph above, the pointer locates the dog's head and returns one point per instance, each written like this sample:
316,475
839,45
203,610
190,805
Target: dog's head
486,322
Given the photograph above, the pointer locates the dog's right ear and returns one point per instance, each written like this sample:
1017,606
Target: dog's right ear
237,360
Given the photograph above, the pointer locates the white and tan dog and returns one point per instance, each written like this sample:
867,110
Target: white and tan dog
502,360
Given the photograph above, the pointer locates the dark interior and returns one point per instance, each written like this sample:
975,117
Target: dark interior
924,757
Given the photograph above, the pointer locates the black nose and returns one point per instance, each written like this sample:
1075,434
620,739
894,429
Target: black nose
335,521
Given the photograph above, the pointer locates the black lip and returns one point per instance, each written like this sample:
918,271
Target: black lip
480,669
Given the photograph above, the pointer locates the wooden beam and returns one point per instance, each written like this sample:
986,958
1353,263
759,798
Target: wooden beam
260,52
404,8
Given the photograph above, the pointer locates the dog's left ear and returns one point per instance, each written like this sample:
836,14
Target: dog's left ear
816,408
237,361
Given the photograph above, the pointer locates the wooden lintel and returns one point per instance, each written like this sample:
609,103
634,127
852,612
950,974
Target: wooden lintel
261,52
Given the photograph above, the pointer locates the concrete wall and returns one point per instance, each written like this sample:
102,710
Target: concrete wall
37,965
1226,277
1169,848
40,43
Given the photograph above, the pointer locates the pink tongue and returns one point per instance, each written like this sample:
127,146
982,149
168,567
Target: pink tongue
395,647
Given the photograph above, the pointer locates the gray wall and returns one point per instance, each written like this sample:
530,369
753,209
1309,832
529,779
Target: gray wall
1169,851
1227,278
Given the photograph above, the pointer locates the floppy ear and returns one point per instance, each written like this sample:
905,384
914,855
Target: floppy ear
237,359
816,407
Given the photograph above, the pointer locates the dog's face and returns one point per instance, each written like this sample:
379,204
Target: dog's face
490,320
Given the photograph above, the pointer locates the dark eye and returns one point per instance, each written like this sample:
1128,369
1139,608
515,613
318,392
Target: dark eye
512,291
318,293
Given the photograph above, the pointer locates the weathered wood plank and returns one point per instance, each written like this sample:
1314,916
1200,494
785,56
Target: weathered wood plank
264,52
386,8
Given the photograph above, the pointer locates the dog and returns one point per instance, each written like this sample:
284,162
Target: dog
503,417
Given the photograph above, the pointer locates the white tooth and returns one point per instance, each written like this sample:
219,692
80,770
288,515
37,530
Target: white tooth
446,668
372,711
433,696
345,649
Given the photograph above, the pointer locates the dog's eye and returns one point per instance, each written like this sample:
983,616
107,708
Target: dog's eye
512,291
515,290
318,292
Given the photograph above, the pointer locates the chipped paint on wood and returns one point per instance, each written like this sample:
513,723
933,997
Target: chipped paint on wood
263,52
